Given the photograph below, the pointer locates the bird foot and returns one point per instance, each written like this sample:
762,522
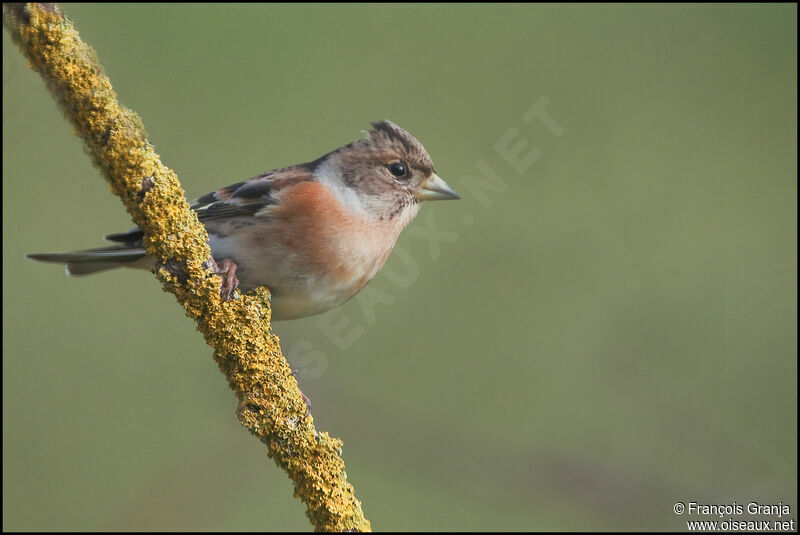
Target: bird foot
228,275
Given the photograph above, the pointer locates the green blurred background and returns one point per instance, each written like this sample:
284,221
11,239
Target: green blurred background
601,333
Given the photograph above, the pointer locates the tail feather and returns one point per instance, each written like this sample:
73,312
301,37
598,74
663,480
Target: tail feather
132,237
96,260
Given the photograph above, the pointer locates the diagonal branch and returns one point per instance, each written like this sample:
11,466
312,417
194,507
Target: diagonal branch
246,350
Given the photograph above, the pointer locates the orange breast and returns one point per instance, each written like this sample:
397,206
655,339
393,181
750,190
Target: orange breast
344,247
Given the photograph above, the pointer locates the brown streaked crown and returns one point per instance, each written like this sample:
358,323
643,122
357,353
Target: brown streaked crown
362,163
386,134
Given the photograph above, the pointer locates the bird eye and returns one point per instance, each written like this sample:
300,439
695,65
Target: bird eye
398,169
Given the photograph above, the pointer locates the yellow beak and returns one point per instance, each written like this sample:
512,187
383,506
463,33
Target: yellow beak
435,189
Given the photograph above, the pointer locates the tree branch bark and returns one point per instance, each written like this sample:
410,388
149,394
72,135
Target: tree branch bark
270,403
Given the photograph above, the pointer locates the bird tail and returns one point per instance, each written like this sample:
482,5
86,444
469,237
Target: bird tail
128,254
95,260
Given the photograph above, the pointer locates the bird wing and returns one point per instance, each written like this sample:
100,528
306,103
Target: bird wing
251,198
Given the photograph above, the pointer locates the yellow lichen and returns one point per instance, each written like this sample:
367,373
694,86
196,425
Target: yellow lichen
270,404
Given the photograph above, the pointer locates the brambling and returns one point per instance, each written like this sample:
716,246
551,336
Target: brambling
315,234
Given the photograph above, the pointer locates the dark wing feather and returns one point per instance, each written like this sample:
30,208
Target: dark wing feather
249,198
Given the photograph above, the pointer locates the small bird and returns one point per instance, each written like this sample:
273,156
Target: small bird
315,234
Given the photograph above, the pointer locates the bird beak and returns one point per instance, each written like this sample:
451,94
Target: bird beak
435,189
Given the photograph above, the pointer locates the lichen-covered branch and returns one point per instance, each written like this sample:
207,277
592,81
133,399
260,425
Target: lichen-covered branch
270,404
